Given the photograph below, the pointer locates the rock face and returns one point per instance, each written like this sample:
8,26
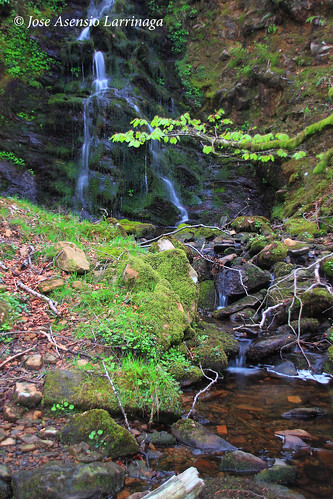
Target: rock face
71,258
26,394
191,433
242,462
97,428
64,481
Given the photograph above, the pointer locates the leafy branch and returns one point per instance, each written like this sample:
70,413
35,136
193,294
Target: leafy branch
216,137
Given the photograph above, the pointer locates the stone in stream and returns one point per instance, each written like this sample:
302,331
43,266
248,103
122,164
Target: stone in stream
66,481
296,433
283,475
286,368
161,438
191,433
242,462
263,347
248,301
293,443
304,413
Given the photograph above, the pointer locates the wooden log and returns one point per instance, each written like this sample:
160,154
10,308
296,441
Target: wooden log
186,485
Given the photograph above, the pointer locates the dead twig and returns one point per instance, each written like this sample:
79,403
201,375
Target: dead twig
9,359
212,381
117,397
50,303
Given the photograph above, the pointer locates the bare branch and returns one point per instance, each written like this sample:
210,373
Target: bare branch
39,295
212,381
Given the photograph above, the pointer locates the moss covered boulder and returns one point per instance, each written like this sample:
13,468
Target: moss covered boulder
271,254
327,267
191,433
257,243
143,391
302,228
214,347
242,462
55,480
138,229
170,303
247,301
257,224
278,474
317,302
266,346
97,428
207,295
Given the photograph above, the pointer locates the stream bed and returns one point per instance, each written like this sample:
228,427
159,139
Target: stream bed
245,408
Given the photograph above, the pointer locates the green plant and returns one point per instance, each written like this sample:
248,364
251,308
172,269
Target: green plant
62,407
10,156
318,19
271,29
97,439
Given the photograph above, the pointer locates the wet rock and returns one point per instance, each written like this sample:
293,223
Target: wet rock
50,284
327,267
241,462
232,282
242,316
286,368
191,433
34,362
283,475
304,325
263,347
70,258
27,394
247,301
12,412
317,302
162,439
16,181
271,254
65,481
304,413
139,469
202,268
96,427
296,433
293,443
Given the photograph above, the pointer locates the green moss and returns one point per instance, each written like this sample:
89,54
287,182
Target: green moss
98,429
274,252
138,229
252,224
327,267
278,474
207,295
257,244
299,226
316,302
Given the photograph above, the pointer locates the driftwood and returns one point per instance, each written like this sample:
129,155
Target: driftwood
50,303
187,485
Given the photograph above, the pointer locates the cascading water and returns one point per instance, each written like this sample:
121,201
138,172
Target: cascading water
101,82
221,291
94,13
175,199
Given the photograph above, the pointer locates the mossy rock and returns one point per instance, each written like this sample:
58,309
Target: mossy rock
283,475
97,428
138,229
207,295
185,375
258,224
194,434
272,253
241,462
257,244
136,391
215,348
329,363
317,302
327,267
280,269
300,227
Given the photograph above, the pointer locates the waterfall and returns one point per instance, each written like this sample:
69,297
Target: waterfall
175,199
221,291
104,7
83,178
101,82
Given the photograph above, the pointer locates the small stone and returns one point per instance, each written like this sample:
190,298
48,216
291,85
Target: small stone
34,362
7,442
221,429
51,284
294,443
50,359
3,434
27,448
46,443
242,462
26,393
49,432
71,258
296,433
12,412
164,244
82,362
77,285
162,438
294,399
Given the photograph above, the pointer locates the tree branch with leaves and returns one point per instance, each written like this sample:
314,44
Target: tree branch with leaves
216,137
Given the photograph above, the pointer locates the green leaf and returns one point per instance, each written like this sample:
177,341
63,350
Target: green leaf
92,435
100,432
207,149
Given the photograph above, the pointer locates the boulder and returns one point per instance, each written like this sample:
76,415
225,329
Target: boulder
294,443
5,490
138,229
232,281
49,285
272,253
327,267
161,439
286,369
258,224
27,394
65,481
241,462
247,301
278,474
316,302
263,347
97,428
304,413
70,258
191,433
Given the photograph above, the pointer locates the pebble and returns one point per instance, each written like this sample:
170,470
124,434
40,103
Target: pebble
7,442
27,448
34,362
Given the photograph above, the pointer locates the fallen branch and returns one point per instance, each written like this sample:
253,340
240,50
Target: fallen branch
117,397
9,359
178,230
212,381
186,485
50,303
